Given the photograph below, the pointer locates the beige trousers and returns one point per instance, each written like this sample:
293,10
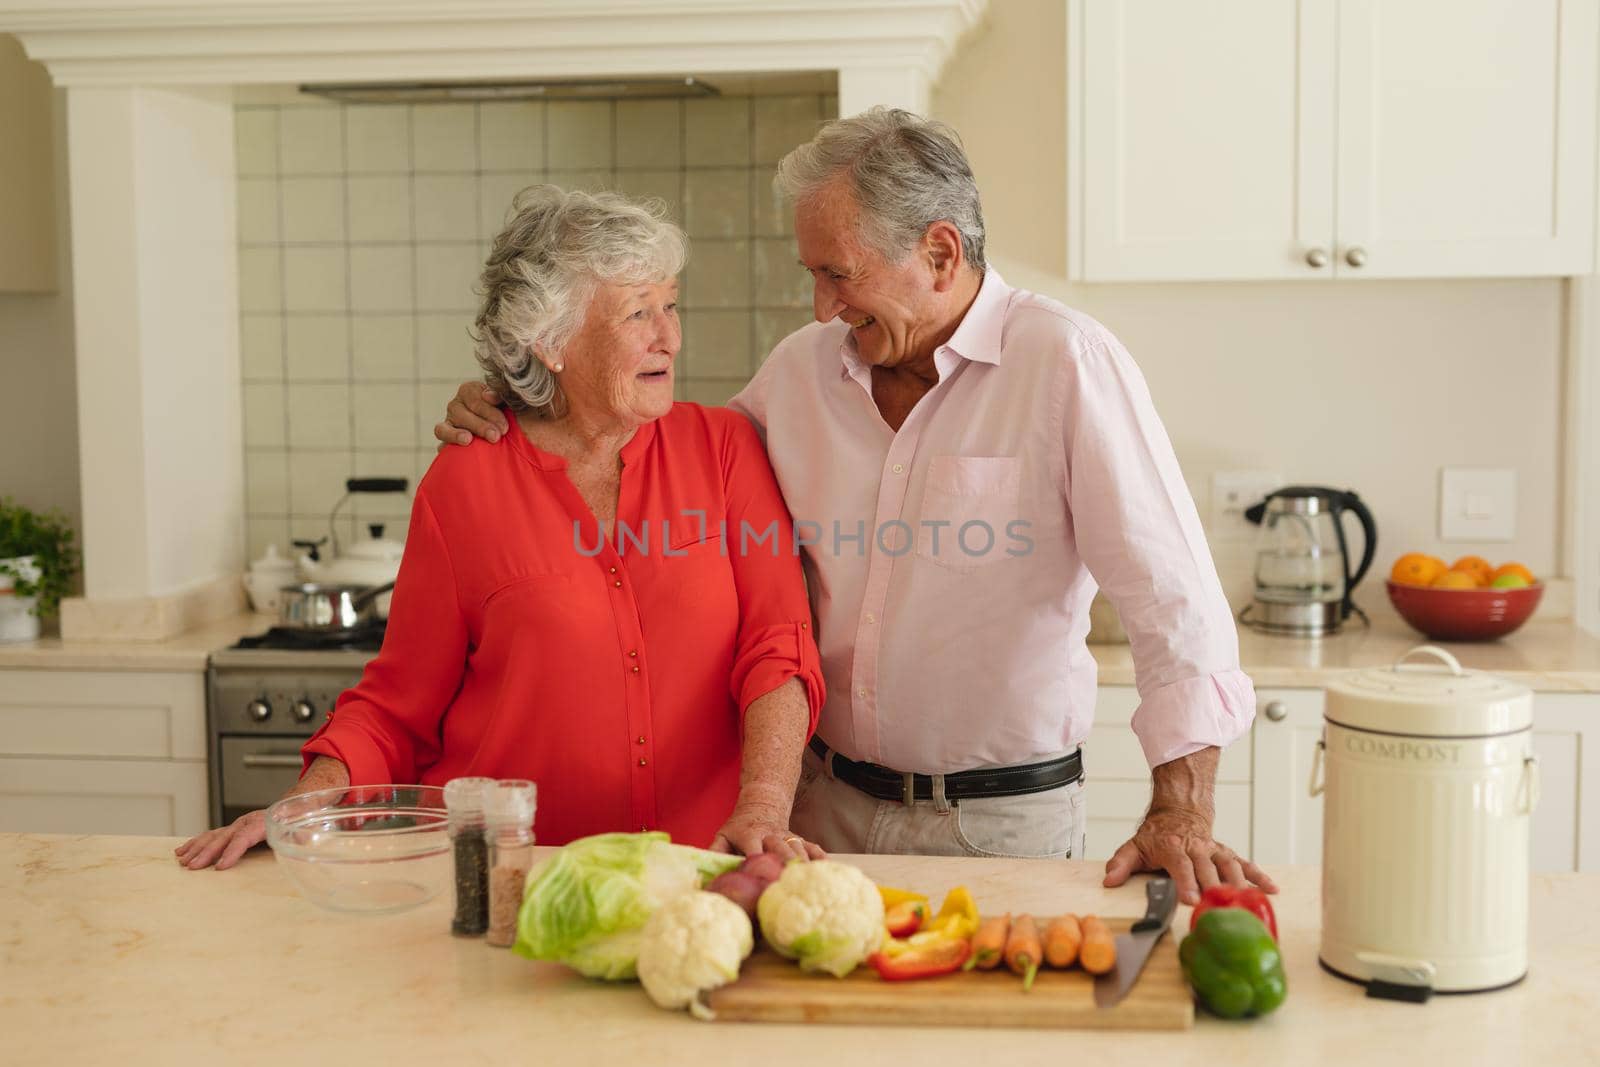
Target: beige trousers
841,818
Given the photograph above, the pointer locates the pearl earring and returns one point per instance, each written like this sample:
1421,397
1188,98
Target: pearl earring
557,367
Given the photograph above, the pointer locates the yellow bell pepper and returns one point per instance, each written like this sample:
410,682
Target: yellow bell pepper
958,916
891,896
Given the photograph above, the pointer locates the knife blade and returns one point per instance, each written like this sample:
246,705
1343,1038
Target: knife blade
1135,946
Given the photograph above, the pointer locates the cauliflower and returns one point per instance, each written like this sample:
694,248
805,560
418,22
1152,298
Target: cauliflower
826,915
692,944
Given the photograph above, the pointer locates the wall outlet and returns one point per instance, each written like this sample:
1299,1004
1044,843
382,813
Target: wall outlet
1231,493
1477,504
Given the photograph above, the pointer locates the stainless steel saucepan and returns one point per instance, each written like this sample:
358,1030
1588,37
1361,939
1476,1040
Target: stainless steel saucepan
328,608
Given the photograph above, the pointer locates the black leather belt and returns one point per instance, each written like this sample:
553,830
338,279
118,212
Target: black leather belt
886,784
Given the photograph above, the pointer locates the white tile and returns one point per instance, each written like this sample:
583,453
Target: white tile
444,348
314,279
717,203
511,135
592,181
255,141
269,95
783,123
260,279
391,510
380,278
261,532
649,134
319,415
444,138
385,416
716,133
261,347
310,141
447,275
779,279
316,482
830,106
380,207
432,398
663,185
313,210
318,348
580,135
445,207
382,348
718,275
263,415
773,325
378,139
716,344
770,214
495,195
258,210
266,482
712,392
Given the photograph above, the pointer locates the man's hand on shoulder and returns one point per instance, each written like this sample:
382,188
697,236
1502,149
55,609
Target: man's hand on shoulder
1176,834
473,412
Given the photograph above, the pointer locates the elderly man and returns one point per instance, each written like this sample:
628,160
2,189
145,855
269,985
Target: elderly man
965,462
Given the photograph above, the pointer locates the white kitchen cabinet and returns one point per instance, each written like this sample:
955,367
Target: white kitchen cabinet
1287,819
102,752
1566,825
1264,139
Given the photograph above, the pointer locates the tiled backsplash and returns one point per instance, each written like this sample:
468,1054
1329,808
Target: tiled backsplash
362,229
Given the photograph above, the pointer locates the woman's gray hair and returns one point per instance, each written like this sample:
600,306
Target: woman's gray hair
543,270
907,172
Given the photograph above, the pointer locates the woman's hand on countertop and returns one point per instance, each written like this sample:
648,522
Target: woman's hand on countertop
225,845
752,829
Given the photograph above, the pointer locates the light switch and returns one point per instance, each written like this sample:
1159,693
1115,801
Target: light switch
1232,492
1477,504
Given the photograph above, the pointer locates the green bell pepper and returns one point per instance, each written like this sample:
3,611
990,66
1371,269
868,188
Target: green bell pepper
1233,964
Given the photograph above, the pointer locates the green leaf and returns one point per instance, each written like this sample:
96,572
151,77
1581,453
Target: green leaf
48,537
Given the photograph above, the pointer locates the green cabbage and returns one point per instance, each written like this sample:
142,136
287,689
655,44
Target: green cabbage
585,905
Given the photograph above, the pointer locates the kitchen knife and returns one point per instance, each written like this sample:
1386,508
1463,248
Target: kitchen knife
1135,946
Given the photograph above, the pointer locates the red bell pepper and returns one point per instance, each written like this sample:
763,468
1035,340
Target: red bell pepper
1249,898
942,955
905,918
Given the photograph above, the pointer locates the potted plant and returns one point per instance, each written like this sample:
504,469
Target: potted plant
38,562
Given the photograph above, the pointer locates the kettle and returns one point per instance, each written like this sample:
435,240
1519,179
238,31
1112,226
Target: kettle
369,561
1303,576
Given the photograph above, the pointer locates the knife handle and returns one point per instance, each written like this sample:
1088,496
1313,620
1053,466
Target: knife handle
1161,900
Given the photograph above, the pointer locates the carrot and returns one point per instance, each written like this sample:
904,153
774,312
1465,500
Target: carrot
989,942
1098,954
1061,940
1022,949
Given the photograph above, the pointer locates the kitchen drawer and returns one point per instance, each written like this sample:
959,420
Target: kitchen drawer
1113,751
121,714
1117,807
146,797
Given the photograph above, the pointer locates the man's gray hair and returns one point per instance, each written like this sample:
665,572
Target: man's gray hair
543,270
906,172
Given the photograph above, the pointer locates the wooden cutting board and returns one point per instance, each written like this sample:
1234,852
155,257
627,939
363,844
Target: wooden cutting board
772,989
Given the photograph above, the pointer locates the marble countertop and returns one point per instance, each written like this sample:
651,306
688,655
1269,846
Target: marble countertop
1548,656
113,953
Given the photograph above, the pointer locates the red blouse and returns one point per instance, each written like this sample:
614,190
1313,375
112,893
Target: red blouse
614,675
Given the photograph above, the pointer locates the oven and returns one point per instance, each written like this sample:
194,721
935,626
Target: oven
264,697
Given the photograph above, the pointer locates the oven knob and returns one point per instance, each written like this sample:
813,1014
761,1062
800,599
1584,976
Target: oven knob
303,711
259,711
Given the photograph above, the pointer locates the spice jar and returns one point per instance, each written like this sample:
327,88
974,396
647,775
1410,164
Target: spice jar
463,803
508,810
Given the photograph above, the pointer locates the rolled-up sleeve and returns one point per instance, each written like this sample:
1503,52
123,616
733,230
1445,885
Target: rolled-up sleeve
1137,531
386,728
775,641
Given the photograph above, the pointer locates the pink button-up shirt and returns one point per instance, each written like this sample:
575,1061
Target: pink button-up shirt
951,563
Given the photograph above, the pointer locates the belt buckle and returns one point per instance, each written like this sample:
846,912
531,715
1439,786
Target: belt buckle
908,789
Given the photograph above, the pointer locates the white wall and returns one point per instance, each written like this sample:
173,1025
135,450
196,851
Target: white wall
1371,385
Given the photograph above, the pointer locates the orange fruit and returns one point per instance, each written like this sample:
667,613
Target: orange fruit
1454,579
1476,566
1512,568
1415,568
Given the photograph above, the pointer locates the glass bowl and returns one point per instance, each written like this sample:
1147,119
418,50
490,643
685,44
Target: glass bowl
370,848
1464,614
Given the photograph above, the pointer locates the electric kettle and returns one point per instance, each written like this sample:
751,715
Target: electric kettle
1303,575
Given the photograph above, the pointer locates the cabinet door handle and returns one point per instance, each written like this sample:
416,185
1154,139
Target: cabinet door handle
1356,256
1317,257
253,760
1276,711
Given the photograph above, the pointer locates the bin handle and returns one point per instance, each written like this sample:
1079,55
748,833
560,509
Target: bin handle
1317,783
1530,784
1438,653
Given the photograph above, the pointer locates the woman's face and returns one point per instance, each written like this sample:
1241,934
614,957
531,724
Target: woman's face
618,367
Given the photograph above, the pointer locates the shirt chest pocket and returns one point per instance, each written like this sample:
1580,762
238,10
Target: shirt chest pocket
968,502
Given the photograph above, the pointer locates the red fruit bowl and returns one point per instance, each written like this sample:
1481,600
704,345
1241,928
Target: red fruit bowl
1464,614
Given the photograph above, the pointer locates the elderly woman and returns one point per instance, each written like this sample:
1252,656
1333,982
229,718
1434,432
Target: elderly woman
574,605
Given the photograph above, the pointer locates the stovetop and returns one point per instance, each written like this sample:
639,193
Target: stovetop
284,647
